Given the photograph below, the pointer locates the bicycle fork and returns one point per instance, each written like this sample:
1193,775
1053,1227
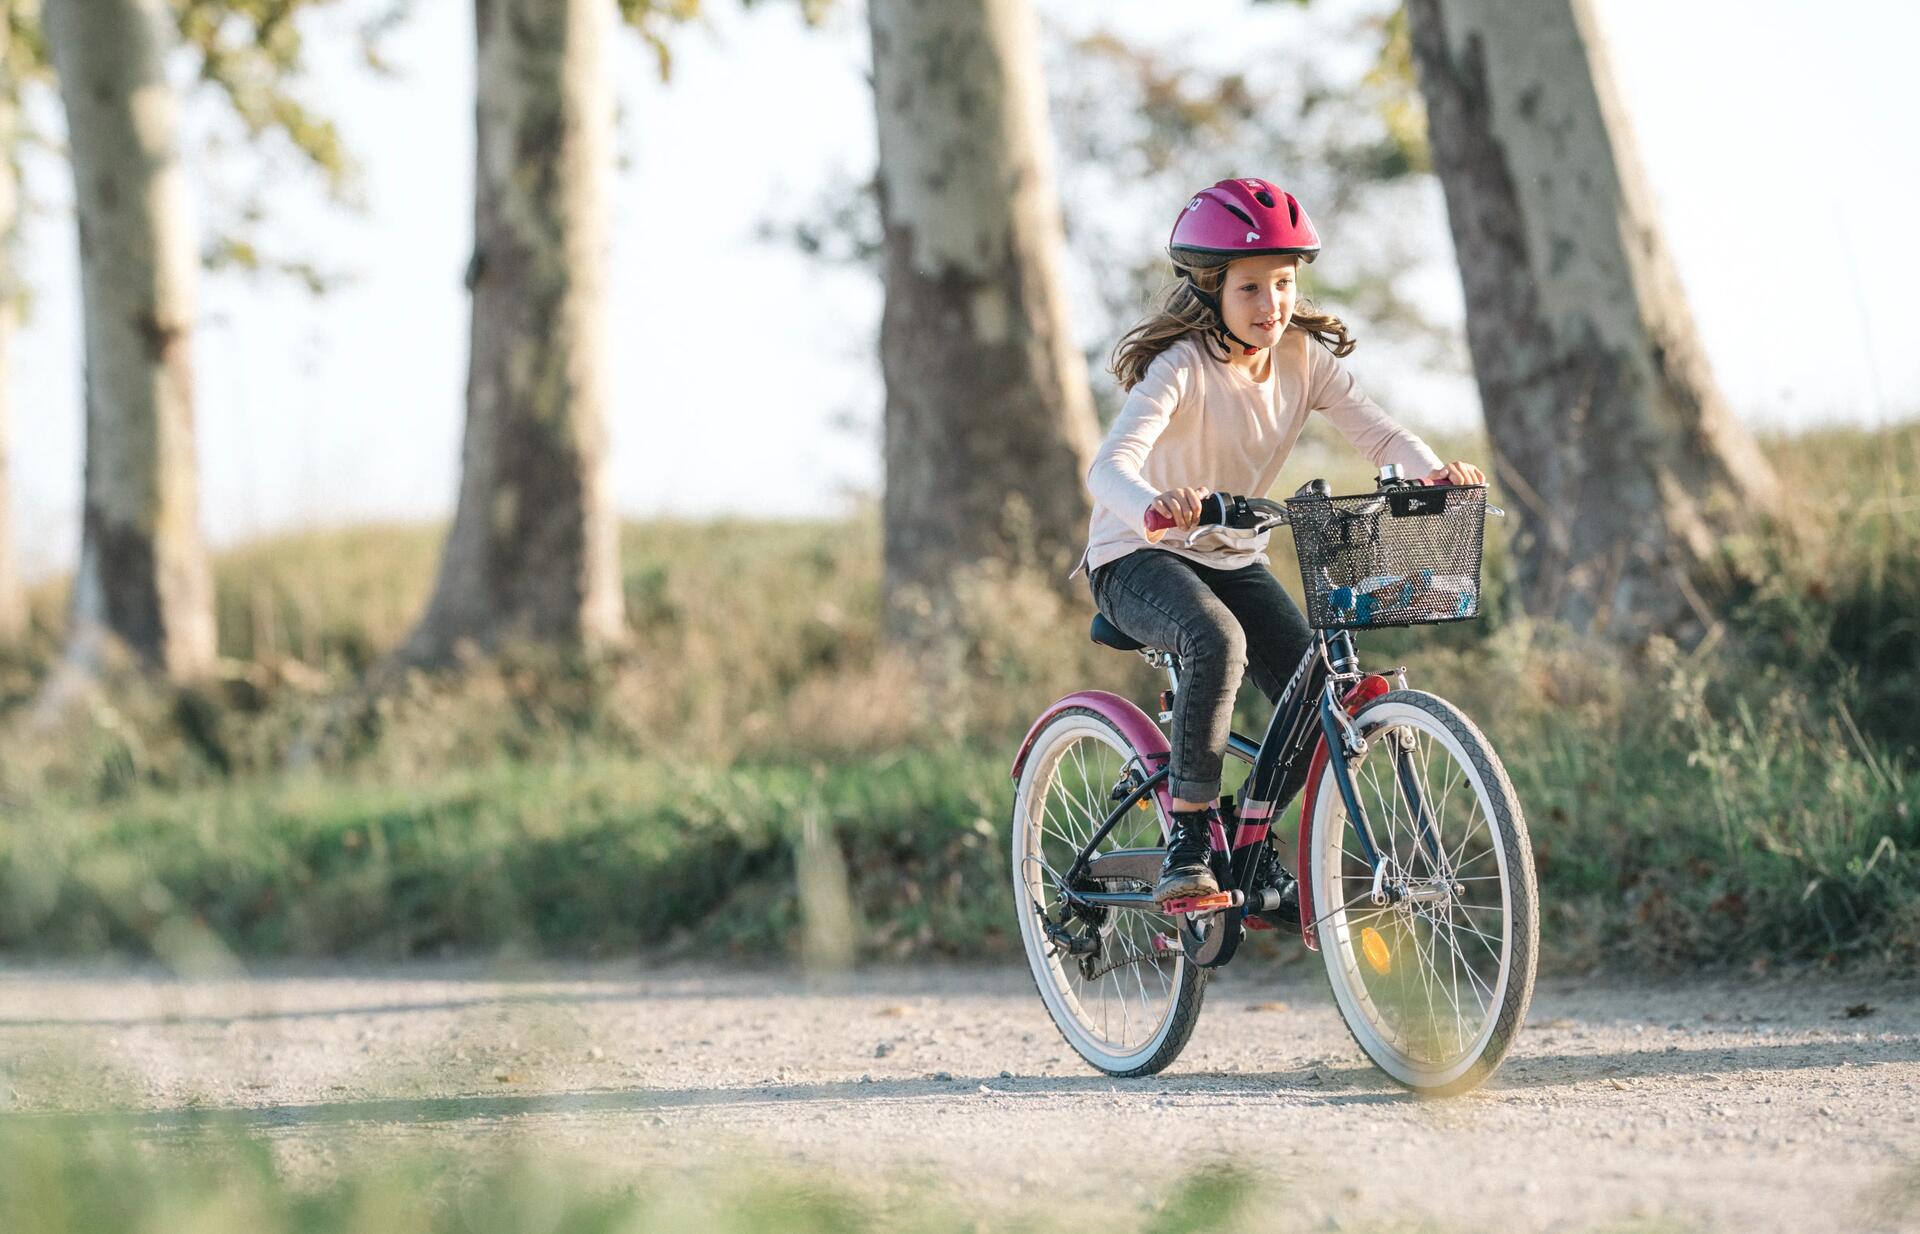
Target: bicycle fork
1344,737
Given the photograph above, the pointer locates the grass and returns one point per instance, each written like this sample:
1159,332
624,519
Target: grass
586,856
1748,802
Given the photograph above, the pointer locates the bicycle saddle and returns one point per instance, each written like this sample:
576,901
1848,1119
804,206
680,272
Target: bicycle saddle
1107,634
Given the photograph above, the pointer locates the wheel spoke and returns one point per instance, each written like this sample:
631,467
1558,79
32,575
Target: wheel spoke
1479,983
1461,962
1453,977
1427,975
1433,960
1488,938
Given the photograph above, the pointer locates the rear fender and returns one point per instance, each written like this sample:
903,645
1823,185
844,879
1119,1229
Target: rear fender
1364,691
1140,732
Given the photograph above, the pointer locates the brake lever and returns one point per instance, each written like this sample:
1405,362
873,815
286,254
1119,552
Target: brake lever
1194,534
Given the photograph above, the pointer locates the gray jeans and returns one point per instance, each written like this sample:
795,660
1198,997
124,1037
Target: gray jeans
1222,623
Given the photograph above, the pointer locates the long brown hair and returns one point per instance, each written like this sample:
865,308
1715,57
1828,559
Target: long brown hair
1183,311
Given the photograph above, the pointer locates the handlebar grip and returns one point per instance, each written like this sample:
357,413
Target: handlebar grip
1213,509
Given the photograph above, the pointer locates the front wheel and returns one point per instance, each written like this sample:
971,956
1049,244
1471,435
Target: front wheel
1430,949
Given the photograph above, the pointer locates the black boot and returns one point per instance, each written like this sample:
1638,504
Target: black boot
1188,869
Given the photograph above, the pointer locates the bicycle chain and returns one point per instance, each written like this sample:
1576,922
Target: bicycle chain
1138,957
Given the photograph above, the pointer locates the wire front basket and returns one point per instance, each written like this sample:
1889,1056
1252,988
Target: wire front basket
1399,557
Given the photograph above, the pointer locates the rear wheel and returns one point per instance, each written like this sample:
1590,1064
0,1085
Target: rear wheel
1431,954
1114,980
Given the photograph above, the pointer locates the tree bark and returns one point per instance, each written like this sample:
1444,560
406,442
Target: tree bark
989,422
143,575
533,554
1600,405
13,607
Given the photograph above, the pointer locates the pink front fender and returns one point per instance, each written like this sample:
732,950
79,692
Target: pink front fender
1140,732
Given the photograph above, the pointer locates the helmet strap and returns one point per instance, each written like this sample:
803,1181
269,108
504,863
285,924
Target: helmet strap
1219,318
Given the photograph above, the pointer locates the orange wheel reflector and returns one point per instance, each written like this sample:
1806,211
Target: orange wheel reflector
1375,949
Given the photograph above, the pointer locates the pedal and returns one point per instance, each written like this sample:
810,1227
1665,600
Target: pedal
1273,907
1201,904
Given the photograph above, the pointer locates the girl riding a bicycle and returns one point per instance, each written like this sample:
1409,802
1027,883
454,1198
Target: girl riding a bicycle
1412,874
1220,382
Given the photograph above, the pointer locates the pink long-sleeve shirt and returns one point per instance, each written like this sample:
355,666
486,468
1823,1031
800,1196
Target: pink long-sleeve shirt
1194,419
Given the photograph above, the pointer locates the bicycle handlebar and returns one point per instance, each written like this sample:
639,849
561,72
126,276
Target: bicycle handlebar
1245,513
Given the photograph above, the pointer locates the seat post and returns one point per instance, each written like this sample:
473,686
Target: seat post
1161,658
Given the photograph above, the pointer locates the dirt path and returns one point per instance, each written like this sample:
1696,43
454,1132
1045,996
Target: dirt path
1740,1107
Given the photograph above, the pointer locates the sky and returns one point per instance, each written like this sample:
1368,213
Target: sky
1782,140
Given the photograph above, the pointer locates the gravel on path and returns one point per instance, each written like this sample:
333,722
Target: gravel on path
1765,1105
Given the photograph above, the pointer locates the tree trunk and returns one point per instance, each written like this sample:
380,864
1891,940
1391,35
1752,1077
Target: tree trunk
533,554
1603,414
13,607
143,575
989,423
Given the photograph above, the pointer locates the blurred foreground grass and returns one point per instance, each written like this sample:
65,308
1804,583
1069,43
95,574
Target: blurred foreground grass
1750,801
225,1183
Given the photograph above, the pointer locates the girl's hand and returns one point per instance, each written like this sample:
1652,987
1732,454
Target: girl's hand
1182,505
1457,473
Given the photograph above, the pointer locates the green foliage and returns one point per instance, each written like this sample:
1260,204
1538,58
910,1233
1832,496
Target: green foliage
254,54
1391,88
1390,91
652,18
1832,592
23,53
250,50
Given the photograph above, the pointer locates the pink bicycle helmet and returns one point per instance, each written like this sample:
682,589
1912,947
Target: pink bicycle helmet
1241,218
1238,218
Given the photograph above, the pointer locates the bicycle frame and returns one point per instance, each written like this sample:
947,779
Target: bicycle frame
1310,719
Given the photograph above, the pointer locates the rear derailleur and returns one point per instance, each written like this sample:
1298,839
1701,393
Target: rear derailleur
1065,941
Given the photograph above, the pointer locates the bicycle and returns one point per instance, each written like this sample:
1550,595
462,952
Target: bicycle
1413,876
